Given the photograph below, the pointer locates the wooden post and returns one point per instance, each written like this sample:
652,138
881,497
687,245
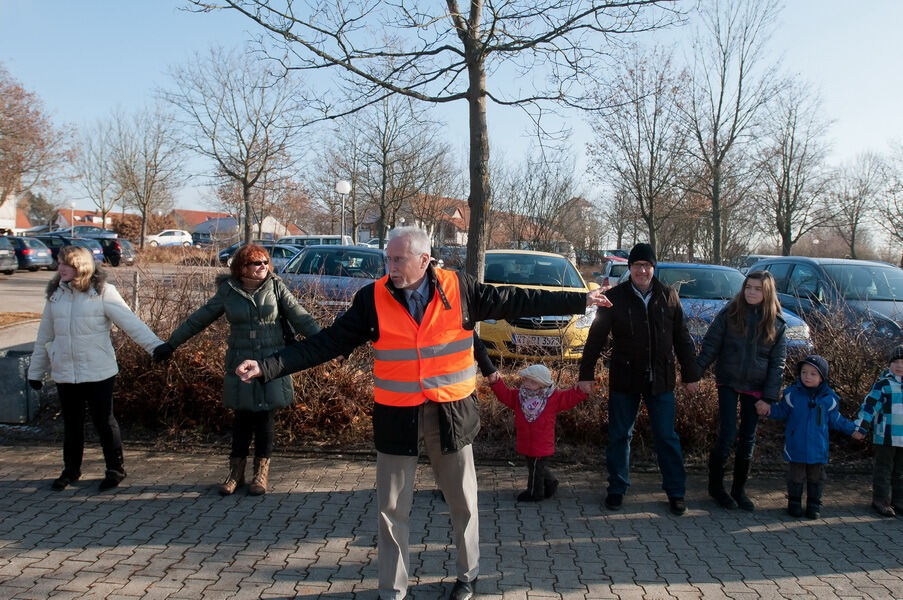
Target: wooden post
136,282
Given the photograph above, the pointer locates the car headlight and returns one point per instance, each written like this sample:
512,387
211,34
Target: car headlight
798,332
882,327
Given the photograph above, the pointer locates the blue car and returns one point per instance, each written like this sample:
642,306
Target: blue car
31,253
705,289
331,275
863,293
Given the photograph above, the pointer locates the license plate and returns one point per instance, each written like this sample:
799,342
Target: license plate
545,341
42,254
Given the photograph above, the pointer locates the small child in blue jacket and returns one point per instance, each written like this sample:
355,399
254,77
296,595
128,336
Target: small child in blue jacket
810,408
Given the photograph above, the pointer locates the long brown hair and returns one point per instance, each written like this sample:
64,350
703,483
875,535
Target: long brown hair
739,308
244,255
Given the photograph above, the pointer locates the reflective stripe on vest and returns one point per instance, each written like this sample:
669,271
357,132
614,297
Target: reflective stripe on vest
433,361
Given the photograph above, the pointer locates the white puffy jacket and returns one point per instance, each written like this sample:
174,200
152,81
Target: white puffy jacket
73,340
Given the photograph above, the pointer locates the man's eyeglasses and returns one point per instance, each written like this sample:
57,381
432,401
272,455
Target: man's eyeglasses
257,263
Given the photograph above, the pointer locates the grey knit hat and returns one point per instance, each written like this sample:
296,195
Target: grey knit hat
538,372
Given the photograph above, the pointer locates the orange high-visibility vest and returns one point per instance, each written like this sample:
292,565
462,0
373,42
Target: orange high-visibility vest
431,361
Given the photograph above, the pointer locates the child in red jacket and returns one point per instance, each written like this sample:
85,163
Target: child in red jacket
536,403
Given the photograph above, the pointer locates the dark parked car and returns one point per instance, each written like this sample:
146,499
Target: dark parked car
54,242
8,262
117,251
334,273
863,292
225,255
90,231
31,253
705,289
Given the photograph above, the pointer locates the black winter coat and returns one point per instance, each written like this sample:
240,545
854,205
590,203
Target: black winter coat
644,341
745,362
395,428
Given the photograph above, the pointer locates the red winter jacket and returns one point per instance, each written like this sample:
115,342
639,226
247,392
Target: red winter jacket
537,439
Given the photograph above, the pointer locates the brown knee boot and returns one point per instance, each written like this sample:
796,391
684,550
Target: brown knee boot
236,476
261,475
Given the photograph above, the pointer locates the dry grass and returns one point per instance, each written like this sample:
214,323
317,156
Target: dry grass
11,318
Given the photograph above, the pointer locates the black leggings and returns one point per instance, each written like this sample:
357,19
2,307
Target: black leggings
98,396
260,425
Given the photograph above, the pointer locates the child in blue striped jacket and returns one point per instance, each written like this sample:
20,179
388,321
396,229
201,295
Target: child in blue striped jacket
883,410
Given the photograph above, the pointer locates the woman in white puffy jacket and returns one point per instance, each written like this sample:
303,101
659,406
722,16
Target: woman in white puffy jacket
74,345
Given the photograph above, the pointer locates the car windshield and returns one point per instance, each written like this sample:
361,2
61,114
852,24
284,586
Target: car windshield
867,282
617,269
531,269
701,283
337,263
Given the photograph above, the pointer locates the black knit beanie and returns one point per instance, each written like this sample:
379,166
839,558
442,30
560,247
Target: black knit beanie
641,252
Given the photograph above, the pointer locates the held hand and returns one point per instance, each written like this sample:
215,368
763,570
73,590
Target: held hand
585,386
597,298
248,370
493,377
858,435
693,387
163,352
35,384
763,409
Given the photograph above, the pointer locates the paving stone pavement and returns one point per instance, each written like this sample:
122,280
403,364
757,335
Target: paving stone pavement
167,534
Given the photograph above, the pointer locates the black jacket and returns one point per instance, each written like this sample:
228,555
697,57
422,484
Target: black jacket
395,428
745,363
644,342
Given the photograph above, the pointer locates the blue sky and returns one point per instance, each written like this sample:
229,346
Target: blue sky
85,58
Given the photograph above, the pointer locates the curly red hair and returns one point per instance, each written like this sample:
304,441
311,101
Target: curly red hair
244,255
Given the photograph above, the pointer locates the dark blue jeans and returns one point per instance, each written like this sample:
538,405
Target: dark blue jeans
622,411
727,423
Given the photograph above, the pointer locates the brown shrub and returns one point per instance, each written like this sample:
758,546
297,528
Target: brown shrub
187,256
333,401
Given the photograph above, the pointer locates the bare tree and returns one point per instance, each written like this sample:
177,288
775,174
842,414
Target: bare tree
890,212
402,157
641,142
147,162
854,196
344,158
792,166
730,87
620,214
448,53
238,116
33,152
95,168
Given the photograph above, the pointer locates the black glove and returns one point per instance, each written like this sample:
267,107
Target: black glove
163,352
35,384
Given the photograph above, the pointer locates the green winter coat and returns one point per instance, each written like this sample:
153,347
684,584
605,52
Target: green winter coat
255,332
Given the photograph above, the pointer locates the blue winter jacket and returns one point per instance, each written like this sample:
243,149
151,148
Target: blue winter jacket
809,414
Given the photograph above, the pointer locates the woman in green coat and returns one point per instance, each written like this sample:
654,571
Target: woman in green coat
257,305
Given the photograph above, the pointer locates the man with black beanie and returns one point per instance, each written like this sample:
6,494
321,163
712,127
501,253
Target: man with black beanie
647,328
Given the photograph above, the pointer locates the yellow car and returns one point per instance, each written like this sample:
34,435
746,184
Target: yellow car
560,337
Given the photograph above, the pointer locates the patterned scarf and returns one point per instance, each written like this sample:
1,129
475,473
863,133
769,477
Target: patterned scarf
533,402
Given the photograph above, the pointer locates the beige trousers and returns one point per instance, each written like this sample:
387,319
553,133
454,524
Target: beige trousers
456,477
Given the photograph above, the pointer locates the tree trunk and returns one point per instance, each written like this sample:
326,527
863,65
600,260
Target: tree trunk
246,199
479,200
143,227
716,215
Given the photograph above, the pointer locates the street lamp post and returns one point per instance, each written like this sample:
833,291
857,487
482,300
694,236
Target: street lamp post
343,188
72,219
